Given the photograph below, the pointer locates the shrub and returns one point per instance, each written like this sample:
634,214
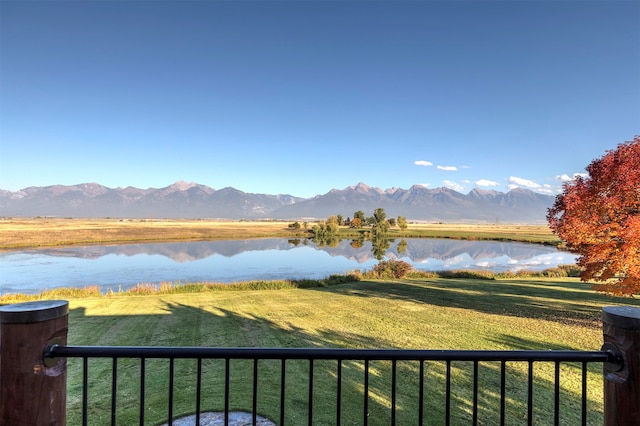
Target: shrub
341,278
391,269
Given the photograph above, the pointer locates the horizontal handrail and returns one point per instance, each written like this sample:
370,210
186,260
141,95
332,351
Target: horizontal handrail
57,351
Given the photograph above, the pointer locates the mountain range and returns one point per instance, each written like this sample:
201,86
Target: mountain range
192,200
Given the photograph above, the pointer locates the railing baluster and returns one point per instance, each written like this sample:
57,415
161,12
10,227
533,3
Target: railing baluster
448,394
556,395
171,375
142,368
198,390
254,403
282,389
584,393
339,393
503,387
393,392
114,382
311,392
366,392
226,391
475,393
530,394
421,395
85,389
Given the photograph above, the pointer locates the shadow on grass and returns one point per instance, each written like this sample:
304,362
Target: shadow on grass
517,343
565,302
185,325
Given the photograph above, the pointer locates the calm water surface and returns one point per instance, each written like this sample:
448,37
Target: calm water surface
122,266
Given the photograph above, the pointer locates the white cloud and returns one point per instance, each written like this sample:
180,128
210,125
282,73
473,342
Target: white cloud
512,186
448,168
516,182
453,185
565,177
423,163
426,185
466,181
486,182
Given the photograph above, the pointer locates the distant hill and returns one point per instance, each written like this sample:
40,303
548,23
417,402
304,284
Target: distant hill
191,200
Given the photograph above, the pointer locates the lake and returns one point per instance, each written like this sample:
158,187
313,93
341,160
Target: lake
123,266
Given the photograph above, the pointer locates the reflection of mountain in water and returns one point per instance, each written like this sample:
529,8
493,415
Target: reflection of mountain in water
460,252
445,249
178,252
418,250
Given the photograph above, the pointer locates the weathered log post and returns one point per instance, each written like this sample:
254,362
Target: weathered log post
32,390
621,328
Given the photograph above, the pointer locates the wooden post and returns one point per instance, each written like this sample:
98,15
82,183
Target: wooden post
621,327
33,391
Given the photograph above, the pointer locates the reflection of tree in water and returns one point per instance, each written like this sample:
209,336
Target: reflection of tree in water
357,244
329,240
402,246
379,243
379,246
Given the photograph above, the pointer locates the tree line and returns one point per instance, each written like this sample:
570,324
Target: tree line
378,223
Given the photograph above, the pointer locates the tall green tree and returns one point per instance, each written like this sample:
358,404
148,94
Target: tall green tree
379,215
331,226
402,222
324,229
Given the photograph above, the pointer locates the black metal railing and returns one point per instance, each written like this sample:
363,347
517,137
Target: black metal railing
394,359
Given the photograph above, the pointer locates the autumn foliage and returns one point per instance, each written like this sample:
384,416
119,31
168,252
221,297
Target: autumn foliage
598,217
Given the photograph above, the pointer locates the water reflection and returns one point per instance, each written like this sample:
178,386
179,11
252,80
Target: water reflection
115,266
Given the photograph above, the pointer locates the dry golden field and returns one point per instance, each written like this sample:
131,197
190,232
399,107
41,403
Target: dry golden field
46,232
514,229
23,233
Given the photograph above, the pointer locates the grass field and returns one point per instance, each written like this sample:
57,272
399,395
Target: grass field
43,232
24,233
408,313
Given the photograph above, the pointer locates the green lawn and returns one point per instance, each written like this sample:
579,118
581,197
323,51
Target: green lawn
420,314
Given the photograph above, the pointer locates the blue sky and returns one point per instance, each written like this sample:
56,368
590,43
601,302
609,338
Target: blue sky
299,97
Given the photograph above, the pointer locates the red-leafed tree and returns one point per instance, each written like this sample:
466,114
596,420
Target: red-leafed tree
598,217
